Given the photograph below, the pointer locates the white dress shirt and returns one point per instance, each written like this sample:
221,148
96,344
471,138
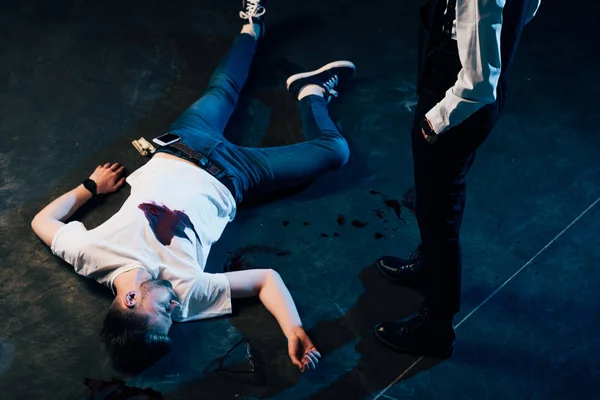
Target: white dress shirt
477,30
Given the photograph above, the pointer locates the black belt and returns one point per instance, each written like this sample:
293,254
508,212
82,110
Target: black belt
181,150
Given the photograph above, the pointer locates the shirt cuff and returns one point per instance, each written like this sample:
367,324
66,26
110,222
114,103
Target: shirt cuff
438,124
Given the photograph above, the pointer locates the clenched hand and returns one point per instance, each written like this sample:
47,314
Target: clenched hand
302,351
108,177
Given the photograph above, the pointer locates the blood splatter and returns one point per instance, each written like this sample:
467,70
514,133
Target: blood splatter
341,220
395,205
391,203
358,224
236,263
238,260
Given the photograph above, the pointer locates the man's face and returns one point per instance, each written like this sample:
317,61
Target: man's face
159,301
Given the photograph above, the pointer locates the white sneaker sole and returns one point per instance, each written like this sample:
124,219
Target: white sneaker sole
335,64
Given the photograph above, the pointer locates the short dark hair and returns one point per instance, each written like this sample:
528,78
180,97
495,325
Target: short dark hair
129,341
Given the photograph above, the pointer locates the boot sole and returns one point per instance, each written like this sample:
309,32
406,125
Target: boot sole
335,64
442,353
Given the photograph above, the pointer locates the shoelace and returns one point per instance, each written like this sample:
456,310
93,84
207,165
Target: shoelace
330,84
253,9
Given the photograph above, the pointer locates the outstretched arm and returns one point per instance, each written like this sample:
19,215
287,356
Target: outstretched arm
275,296
48,221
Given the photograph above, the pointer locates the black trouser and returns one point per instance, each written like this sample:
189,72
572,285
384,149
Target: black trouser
440,172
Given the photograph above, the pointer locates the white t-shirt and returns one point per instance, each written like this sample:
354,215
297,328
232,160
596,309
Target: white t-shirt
175,212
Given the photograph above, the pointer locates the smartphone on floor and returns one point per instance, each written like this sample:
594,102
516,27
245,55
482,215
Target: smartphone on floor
166,139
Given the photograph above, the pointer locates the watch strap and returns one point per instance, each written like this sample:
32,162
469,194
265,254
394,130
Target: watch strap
90,185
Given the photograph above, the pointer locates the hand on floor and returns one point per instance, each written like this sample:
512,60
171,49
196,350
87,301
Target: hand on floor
108,177
302,351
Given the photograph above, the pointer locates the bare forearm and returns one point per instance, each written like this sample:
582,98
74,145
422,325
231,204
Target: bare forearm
64,206
48,221
277,299
271,291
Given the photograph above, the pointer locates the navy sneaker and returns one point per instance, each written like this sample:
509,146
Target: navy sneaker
253,11
327,77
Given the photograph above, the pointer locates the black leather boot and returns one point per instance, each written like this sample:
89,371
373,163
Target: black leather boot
406,272
423,334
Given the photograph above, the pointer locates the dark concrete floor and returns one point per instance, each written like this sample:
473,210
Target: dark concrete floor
81,79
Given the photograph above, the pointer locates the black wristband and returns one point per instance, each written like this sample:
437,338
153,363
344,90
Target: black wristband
90,185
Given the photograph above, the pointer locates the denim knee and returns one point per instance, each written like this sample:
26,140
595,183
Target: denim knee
341,153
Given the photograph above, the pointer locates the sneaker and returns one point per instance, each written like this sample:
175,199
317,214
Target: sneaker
253,11
327,77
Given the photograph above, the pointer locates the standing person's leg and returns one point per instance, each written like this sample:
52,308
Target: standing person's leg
256,171
416,334
440,183
408,272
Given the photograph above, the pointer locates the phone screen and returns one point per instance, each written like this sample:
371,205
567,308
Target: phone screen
168,137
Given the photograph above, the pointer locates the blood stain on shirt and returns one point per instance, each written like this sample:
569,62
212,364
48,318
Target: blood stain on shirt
166,223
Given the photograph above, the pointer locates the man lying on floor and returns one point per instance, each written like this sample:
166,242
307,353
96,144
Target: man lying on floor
152,252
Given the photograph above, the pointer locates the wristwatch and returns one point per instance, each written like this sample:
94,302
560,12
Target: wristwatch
427,128
90,185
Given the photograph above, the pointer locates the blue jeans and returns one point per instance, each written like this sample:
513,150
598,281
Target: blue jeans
257,170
